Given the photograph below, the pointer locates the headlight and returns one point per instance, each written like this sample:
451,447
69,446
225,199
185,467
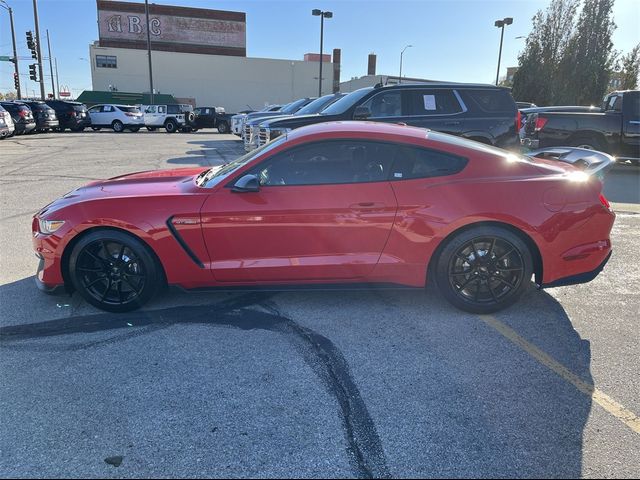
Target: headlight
49,226
279,131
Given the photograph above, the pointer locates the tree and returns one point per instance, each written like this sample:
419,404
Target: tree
588,60
629,69
537,79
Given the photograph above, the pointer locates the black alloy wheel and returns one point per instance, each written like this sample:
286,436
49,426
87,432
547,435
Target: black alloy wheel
113,271
484,270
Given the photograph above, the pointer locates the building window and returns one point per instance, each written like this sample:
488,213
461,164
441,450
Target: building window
106,61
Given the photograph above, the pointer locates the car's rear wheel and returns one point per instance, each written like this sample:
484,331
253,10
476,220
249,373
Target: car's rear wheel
484,269
223,127
171,126
113,271
117,126
589,143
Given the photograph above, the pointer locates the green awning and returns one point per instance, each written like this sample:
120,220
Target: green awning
93,97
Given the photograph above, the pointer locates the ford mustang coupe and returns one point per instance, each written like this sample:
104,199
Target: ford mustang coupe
341,204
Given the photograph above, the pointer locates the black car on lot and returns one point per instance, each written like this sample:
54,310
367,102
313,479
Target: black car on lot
72,115
21,115
44,115
484,113
212,117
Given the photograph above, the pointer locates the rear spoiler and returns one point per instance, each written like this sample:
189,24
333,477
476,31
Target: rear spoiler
591,162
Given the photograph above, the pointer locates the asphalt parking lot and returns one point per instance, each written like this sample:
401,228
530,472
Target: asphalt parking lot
316,384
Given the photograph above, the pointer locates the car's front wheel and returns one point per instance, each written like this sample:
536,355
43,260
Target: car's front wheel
223,127
171,126
113,271
484,269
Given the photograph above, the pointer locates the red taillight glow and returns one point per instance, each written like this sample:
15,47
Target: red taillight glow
540,123
518,121
72,113
604,202
23,113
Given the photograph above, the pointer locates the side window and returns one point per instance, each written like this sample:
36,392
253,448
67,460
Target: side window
433,102
173,109
492,100
197,111
415,162
150,109
632,105
333,162
107,108
207,111
94,109
385,104
162,109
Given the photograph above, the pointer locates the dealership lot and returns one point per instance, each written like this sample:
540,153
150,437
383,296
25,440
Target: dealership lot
336,383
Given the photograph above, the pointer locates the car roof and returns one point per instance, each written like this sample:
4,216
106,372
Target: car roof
444,85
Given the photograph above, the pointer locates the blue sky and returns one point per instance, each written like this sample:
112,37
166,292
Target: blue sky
452,39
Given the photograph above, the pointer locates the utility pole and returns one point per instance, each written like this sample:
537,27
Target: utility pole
501,24
53,86
35,17
57,92
15,51
146,12
402,53
322,15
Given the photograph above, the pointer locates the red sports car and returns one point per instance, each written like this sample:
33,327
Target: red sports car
341,204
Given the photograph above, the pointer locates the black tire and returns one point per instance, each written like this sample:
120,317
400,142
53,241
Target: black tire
223,127
96,129
171,126
588,142
151,129
117,126
134,129
476,284
114,271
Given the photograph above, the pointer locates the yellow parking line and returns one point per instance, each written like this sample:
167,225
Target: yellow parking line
626,416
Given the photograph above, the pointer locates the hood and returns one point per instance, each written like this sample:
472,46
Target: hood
253,116
140,184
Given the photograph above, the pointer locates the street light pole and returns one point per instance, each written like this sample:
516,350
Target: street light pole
146,12
39,48
15,51
53,86
322,16
501,24
402,53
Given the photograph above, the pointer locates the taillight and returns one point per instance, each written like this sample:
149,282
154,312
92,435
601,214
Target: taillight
604,201
518,121
72,113
23,113
540,123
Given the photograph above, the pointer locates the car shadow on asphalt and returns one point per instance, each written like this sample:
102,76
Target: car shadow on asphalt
438,389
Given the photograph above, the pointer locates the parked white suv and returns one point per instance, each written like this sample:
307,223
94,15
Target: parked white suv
118,117
169,117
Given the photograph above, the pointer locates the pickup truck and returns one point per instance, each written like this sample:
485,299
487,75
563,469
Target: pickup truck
614,128
212,117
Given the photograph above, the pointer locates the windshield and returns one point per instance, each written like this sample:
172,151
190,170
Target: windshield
317,105
213,176
294,106
346,102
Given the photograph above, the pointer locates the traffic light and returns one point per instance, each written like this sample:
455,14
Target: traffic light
32,45
16,81
32,72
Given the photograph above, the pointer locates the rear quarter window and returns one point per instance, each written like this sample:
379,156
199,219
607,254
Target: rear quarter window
416,162
493,101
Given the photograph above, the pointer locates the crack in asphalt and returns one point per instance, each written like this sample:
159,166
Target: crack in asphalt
364,448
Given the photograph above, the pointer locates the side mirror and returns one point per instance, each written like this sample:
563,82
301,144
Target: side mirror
246,183
361,113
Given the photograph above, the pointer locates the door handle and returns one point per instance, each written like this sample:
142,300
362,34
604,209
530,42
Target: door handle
367,206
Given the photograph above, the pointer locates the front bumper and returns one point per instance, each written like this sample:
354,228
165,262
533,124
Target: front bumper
48,288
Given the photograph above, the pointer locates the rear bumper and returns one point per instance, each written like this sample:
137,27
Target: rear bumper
578,278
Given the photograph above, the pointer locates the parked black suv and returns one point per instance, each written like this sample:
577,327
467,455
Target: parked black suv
484,113
44,115
212,117
72,115
21,115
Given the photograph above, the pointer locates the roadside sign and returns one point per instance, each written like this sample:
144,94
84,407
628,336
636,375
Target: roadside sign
64,94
